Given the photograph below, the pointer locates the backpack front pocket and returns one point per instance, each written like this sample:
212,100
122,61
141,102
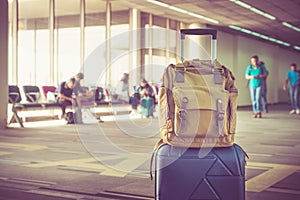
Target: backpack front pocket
200,111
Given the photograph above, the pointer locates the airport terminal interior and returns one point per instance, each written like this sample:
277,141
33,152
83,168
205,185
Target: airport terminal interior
46,42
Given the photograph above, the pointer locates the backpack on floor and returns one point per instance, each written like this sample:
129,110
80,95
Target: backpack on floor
70,118
198,103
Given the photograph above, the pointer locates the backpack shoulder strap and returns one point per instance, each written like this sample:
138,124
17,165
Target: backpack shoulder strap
230,80
251,68
156,146
165,99
262,70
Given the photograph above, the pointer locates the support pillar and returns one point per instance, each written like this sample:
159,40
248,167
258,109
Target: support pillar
107,41
3,63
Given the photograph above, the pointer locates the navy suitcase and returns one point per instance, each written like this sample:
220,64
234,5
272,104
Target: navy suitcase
191,174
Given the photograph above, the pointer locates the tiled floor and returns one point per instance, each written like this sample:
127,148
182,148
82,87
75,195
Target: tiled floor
51,160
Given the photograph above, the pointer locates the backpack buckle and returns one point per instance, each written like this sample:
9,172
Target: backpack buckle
183,122
218,76
182,114
180,68
220,112
221,116
182,110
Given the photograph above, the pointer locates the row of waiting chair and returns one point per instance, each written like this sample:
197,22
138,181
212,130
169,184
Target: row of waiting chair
33,96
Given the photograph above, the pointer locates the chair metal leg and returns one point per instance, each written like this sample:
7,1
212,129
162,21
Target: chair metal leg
12,119
17,118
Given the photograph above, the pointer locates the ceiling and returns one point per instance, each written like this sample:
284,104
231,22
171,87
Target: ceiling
229,13
225,12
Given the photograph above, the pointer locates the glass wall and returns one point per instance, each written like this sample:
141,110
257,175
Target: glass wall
67,39
33,43
75,39
94,25
158,51
94,40
42,57
119,43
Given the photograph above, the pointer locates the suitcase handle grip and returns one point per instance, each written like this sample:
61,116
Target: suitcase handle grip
212,32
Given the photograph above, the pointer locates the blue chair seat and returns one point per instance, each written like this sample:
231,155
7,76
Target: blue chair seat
51,105
32,105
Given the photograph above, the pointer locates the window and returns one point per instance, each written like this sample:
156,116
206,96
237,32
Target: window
119,44
94,50
33,43
67,39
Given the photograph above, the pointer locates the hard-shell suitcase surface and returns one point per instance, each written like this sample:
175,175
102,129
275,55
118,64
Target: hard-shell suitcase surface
190,174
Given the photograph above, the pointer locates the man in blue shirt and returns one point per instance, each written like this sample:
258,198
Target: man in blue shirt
256,74
292,78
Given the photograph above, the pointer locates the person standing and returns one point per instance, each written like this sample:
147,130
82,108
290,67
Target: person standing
78,91
292,79
255,73
82,95
264,102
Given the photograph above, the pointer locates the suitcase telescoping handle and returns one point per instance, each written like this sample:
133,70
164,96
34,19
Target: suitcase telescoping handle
212,32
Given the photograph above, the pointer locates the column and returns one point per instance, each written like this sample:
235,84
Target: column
167,41
82,36
107,39
35,53
15,15
150,48
134,47
3,62
53,79
178,56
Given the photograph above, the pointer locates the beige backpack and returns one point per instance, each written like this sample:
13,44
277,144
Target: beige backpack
198,103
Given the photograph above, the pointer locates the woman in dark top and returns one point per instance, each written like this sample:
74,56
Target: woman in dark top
65,95
144,90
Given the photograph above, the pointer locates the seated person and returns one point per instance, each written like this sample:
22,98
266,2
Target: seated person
65,92
143,92
122,89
